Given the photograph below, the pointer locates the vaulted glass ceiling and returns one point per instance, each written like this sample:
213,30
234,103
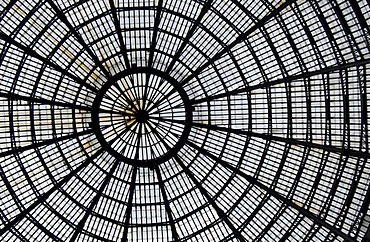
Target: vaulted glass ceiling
138,120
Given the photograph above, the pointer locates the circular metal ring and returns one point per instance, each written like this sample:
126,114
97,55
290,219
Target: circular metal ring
138,122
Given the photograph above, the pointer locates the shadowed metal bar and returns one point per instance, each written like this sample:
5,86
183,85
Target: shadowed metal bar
155,32
46,61
283,80
366,203
272,192
211,201
42,198
64,19
119,33
94,201
361,19
45,142
190,33
129,204
152,49
239,39
13,96
166,204
293,141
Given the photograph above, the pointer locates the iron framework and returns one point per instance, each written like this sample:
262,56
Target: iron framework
192,120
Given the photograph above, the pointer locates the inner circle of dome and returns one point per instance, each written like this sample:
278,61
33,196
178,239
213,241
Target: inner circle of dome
127,112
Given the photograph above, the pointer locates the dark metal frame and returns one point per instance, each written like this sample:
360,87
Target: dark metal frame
221,103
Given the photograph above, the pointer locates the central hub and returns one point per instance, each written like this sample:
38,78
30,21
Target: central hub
142,117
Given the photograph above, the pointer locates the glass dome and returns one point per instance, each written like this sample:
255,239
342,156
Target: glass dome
192,120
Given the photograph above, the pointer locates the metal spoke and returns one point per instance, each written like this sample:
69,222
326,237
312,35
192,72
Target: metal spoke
45,142
13,96
160,138
145,95
344,151
127,98
272,192
286,79
94,201
239,39
166,204
168,109
46,61
64,19
129,204
116,112
47,194
139,134
173,90
155,32
190,33
210,200
119,33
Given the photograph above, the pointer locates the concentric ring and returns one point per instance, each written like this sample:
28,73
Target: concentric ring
128,112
